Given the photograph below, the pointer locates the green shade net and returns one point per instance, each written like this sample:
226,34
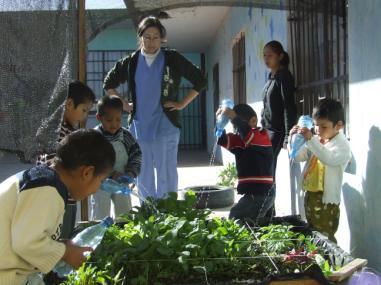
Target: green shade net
38,57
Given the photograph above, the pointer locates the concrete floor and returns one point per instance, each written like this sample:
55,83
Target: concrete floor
193,170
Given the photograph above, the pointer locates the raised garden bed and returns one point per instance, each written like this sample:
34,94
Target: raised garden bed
176,244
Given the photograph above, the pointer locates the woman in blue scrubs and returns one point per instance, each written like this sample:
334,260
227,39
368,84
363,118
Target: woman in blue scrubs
153,75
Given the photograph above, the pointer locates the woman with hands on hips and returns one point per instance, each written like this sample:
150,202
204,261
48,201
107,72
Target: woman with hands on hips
154,75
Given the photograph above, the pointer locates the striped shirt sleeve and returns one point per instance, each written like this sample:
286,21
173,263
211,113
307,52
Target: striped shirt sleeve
134,154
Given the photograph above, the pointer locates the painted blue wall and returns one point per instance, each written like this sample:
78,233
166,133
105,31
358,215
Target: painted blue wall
114,39
259,26
125,39
362,188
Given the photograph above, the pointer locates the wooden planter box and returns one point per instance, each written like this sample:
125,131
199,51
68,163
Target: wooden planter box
343,273
296,282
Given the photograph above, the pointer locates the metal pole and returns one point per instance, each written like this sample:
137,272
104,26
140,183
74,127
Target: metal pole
82,75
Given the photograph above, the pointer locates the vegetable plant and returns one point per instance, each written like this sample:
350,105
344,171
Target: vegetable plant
228,176
170,242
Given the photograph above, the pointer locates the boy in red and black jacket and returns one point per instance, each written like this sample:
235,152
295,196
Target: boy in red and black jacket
254,161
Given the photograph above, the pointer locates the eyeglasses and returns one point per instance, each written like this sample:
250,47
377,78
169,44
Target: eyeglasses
149,39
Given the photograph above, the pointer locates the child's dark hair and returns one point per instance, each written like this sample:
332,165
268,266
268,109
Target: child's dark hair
80,93
109,102
278,49
244,111
86,147
151,21
329,109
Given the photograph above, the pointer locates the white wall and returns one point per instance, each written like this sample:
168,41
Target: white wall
260,26
361,205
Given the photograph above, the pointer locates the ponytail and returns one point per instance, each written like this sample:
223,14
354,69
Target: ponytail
285,61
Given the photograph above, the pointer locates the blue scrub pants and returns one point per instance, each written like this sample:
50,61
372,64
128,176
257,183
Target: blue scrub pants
158,174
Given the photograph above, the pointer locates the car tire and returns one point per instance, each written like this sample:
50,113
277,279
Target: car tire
211,196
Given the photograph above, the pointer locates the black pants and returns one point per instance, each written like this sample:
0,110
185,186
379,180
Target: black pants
277,143
253,207
277,139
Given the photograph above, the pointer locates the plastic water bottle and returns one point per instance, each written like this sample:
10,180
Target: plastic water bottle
298,140
367,276
117,187
89,237
222,119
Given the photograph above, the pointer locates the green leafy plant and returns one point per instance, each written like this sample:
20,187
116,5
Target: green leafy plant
228,176
170,242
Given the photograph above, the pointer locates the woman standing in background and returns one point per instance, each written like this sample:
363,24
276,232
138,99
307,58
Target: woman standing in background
279,108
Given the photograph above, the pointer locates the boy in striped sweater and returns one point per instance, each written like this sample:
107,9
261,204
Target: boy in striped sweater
253,153
128,158
79,101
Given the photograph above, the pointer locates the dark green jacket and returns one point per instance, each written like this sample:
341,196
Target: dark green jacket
176,66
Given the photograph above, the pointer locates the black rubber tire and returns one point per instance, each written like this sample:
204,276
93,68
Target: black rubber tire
211,196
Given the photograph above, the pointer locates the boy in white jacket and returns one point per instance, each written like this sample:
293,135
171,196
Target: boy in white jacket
327,154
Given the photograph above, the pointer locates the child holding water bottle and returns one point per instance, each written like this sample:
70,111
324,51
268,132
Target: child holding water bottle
128,158
254,161
327,154
33,202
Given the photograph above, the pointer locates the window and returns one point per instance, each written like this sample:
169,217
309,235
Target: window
216,88
99,62
318,32
239,69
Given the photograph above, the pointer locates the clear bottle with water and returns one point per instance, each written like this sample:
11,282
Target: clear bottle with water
117,186
298,140
89,237
222,119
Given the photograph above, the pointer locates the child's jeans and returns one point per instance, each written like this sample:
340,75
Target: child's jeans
253,207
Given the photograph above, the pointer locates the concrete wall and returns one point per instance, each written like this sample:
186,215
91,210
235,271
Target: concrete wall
260,26
362,187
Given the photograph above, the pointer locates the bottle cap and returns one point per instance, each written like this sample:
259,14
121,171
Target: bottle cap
305,121
108,221
228,103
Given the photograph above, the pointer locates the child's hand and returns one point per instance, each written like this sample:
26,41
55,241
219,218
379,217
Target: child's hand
126,179
294,130
75,255
229,113
218,112
306,133
115,175
127,106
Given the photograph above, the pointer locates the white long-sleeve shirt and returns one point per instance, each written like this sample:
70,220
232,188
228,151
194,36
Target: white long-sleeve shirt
335,156
32,206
